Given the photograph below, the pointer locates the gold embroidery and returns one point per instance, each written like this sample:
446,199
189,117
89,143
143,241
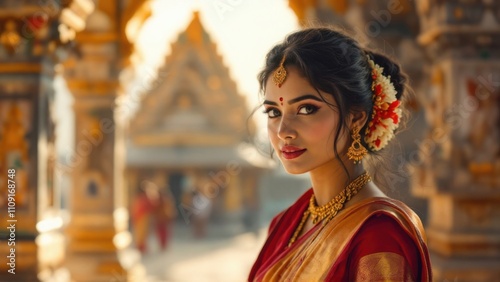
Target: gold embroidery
383,267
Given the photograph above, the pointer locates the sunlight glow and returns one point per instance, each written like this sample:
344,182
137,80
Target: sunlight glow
244,31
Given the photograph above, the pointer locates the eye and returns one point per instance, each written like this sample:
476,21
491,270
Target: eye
272,112
308,109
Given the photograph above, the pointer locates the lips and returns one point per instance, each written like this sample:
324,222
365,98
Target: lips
291,152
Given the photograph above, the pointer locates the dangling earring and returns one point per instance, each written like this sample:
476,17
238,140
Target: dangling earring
356,151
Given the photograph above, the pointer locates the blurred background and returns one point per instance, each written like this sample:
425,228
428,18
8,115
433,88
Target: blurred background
127,128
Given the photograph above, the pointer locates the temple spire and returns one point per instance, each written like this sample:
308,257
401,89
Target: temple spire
195,30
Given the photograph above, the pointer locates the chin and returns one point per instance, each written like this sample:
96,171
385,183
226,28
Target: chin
295,172
294,169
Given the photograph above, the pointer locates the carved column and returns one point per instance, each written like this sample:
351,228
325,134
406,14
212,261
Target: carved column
28,40
459,166
98,224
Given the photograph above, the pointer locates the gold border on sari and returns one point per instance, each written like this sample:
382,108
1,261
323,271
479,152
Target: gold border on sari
312,256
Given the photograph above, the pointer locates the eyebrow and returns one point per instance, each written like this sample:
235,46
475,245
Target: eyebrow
295,100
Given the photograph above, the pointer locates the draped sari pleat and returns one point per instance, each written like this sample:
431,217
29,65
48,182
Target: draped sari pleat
316,254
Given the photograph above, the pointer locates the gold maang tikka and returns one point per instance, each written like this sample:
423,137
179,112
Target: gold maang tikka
279,74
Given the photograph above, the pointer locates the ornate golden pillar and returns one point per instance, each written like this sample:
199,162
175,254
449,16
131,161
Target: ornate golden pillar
98,221
458,169
23,161
28,40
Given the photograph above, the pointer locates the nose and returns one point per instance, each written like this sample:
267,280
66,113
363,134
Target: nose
286,129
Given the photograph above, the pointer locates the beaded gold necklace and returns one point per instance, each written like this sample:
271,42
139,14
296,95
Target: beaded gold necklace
331,209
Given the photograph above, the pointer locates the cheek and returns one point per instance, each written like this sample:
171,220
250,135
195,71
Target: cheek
324,134
272,133
322,130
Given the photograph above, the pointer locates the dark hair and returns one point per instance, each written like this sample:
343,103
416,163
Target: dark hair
335,64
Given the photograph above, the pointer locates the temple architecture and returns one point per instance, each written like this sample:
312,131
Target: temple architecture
190,132
459,172
85,42
30,34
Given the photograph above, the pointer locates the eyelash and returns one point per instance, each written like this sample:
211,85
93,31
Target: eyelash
313,111
313,107
268,110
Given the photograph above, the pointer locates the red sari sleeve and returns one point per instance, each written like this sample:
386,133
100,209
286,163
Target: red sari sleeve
380,251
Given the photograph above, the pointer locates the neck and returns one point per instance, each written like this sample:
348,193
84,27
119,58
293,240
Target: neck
330,179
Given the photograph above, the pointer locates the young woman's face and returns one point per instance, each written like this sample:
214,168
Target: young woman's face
301,125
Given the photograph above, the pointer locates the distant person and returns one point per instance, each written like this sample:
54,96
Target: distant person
330,103
202,208
151,208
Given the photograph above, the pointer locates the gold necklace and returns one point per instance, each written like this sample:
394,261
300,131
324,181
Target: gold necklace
331,209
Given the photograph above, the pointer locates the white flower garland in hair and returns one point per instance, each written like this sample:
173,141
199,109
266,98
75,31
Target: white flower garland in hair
386,111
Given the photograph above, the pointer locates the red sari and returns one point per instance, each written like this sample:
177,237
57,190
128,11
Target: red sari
378,239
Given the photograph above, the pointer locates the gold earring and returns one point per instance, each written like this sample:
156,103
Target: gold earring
356,151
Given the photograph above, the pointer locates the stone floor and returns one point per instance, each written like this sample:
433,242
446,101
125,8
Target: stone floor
226,254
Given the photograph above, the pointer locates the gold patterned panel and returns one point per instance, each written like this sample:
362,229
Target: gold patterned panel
20,67
14,148
10,38
383,266
477,212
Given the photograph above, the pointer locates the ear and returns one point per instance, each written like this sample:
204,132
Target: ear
358,119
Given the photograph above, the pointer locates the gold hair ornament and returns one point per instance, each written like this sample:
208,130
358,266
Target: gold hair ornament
279,74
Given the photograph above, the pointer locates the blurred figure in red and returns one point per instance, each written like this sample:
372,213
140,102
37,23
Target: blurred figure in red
151,207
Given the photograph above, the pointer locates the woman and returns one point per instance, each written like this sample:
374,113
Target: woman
330,103
151,206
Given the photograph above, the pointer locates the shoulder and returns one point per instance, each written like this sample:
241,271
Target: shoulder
390,235
382,233
387,223
394,210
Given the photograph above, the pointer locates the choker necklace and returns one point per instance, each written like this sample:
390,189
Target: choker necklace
327,212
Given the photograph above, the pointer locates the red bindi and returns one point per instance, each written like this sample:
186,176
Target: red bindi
281,100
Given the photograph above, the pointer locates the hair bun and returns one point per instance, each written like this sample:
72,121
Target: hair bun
391,69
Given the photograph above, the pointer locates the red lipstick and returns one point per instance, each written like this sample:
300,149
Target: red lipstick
291,152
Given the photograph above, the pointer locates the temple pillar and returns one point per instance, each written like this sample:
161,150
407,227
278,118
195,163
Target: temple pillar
28,40
458,169
98,226
23,164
